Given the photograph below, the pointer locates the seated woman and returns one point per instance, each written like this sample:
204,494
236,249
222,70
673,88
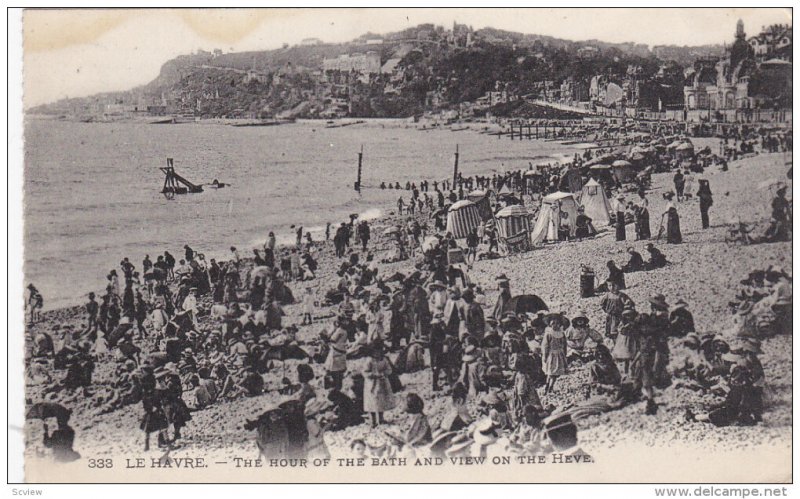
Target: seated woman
603,373
743,404
346,412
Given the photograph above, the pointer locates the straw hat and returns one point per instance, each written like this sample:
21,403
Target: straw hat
580,318
659,301
438,283
485,432
557,422
733,357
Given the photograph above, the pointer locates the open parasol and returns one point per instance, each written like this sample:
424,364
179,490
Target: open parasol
46,410
521,304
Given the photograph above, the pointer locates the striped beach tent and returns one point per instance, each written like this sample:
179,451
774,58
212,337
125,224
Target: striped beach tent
512,220
462,217
513,227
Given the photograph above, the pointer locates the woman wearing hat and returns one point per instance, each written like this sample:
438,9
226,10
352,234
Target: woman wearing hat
743,404
619,209
745,323
554,350
524,393
378,396
170,392
577,334
336,362
613,303
603,372
642,217
375,320
437,297
658,322
454,313
681,320
626,344
673,222
503,297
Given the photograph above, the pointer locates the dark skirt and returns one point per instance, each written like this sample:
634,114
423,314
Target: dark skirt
673,228
154,420
643,225
620,226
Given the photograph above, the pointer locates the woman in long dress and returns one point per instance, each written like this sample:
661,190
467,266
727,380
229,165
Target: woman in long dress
554,223
673,223
336,362
613,303
554,351
627,342
642,218
375,318
524,391
619,208
378,396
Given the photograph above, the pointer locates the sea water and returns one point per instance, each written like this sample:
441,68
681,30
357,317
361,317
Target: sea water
92,190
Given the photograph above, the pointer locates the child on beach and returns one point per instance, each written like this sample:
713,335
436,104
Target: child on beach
308,306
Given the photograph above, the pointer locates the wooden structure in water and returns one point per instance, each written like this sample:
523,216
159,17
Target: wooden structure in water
175,184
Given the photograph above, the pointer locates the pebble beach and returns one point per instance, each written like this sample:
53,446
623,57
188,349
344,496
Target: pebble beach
705,271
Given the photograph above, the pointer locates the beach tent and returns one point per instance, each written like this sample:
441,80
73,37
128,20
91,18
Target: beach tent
513,227
685,150
477,195
462,217
505,190
595,203
623,170
482,199
559,209
571,181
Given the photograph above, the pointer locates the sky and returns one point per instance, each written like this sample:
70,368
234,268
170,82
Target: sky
76,53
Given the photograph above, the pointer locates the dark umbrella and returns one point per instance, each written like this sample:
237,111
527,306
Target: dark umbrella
284,352
45,410
521,304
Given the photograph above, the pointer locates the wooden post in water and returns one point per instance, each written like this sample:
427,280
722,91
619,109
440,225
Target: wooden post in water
455,168
358,182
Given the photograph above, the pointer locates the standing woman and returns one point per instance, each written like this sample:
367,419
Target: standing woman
627,343
503,298
704,194
673,222
378,397
554,350
336,362
642,217
524,394
619,209
375,319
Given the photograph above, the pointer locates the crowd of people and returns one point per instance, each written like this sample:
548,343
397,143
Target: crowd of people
183,335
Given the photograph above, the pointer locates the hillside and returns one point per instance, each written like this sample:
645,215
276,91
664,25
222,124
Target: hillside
429,68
